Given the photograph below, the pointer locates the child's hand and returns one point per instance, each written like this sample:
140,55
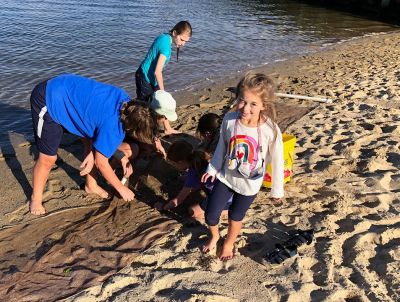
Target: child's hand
126,194
87,164
127,167
159,147
206,176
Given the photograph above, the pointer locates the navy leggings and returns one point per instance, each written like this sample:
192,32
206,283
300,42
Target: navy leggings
219,196
144,90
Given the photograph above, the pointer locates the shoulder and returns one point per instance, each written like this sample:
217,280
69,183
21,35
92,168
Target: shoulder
163,39
229,120
270,128
231,116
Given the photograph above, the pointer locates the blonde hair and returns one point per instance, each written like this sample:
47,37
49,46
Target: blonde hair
183,151
263,86
139,121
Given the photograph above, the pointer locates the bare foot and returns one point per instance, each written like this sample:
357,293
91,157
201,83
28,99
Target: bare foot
96,189
210,245
36,208
226,252
171,131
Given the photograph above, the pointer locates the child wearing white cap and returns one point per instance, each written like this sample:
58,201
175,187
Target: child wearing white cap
164,105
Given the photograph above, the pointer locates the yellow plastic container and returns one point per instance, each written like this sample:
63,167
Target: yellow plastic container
289,141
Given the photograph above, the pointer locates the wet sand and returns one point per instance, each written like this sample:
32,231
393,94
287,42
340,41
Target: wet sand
345,186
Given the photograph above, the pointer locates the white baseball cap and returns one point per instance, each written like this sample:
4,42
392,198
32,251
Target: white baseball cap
163,103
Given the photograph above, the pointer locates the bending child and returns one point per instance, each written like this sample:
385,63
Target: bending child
101,115
149,75
164,106
249,139
208,129
184,158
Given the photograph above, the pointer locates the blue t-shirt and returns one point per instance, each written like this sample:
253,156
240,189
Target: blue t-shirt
88,109
161,45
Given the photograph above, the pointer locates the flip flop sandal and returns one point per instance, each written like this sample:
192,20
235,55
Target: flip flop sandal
295,240
301,237
308,235
281,253
291,250
276,257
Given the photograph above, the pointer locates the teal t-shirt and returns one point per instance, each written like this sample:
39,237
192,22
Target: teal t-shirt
161,45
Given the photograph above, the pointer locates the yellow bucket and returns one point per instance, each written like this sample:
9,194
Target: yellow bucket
289,141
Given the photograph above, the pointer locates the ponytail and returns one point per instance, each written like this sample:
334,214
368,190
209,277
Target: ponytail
180,28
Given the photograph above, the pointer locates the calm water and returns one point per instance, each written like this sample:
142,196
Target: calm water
107,40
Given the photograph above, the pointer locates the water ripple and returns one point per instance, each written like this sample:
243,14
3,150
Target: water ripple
107,40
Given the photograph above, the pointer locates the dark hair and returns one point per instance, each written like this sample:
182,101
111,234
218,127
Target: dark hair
183,151
263,86
180,28
139,121
209,122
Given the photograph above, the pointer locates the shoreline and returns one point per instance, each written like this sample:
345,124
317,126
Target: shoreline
195,95
345,187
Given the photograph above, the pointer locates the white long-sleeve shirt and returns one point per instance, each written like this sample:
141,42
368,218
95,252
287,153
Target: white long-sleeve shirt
246,149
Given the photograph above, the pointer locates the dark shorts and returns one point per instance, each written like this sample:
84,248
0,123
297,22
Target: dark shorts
218,200
47,138
144,90
203,204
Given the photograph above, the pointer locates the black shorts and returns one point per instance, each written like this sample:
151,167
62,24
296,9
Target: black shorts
48,133
144,90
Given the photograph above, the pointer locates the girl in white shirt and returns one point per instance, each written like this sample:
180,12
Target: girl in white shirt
249,139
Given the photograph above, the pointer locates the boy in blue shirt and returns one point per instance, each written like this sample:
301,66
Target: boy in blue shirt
101,115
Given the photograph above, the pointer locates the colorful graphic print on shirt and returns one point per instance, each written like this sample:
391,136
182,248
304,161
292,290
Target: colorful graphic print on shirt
246,150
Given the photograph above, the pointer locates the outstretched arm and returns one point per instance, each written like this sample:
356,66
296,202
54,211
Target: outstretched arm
183,194
109,174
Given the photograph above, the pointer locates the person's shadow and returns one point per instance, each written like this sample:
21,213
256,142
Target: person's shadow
16,133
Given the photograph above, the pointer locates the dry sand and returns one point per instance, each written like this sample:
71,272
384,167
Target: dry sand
346,187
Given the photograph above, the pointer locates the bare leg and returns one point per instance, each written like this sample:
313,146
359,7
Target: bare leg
212,242
233,232
91,186
130,150
196,212
40,174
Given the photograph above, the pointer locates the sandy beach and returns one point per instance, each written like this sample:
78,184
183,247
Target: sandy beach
346,186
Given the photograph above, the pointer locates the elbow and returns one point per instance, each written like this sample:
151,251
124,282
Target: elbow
158,73
100,164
